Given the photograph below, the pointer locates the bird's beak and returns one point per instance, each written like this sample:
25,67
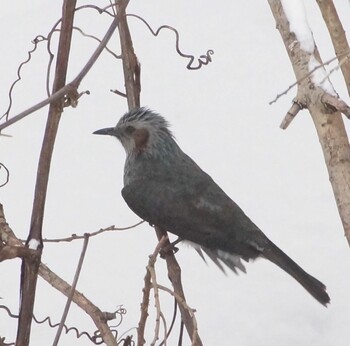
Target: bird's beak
107,131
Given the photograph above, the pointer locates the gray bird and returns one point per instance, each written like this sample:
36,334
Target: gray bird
166,188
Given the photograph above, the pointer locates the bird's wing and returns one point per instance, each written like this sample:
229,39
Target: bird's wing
195,210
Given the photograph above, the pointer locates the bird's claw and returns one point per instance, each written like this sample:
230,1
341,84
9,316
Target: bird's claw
170,248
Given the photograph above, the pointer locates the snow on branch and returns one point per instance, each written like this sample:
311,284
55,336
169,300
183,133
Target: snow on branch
298,24
310,72
296,15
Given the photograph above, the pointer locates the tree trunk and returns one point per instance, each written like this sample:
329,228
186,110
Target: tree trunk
325,108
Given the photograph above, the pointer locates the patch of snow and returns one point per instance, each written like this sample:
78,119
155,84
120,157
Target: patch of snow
296,15
33,244
319,77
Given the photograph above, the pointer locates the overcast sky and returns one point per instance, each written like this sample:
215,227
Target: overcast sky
221,117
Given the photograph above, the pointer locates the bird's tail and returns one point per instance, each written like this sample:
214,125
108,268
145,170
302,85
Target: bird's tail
315,287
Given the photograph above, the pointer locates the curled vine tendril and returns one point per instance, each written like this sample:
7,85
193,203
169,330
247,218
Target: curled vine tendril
193,64
204,59
7,173
96,338
36,41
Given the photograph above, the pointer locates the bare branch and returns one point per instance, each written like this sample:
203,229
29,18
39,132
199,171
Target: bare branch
53,98
174,273
77,80
144,309
291,114
336,104
182,302
338,36
98,40
30,267
100,318
152,271
115,91
9,252
131,66
150,281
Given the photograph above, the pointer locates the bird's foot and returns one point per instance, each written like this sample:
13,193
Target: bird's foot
170,248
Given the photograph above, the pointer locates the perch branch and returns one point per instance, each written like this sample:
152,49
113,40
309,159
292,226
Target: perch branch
174,273
151,269
132,84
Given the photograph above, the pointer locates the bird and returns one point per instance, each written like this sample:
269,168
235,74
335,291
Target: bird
166,188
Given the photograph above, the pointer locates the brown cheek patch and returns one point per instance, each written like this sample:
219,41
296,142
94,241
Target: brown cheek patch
141,138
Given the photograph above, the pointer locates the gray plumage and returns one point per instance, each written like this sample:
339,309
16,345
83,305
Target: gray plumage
165,187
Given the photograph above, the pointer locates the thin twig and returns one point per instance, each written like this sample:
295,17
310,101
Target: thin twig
342,61
144,309
164,342
54,29
51,56
171,324
285,92
150,279
98,40
77,80
182,302
74,285
151,269
53,98
92,234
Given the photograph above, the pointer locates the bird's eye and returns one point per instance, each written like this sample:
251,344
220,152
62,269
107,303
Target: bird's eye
129,129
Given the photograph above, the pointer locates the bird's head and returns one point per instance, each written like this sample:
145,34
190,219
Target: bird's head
141,131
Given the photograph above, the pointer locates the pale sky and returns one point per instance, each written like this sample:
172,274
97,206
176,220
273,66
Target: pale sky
221,117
